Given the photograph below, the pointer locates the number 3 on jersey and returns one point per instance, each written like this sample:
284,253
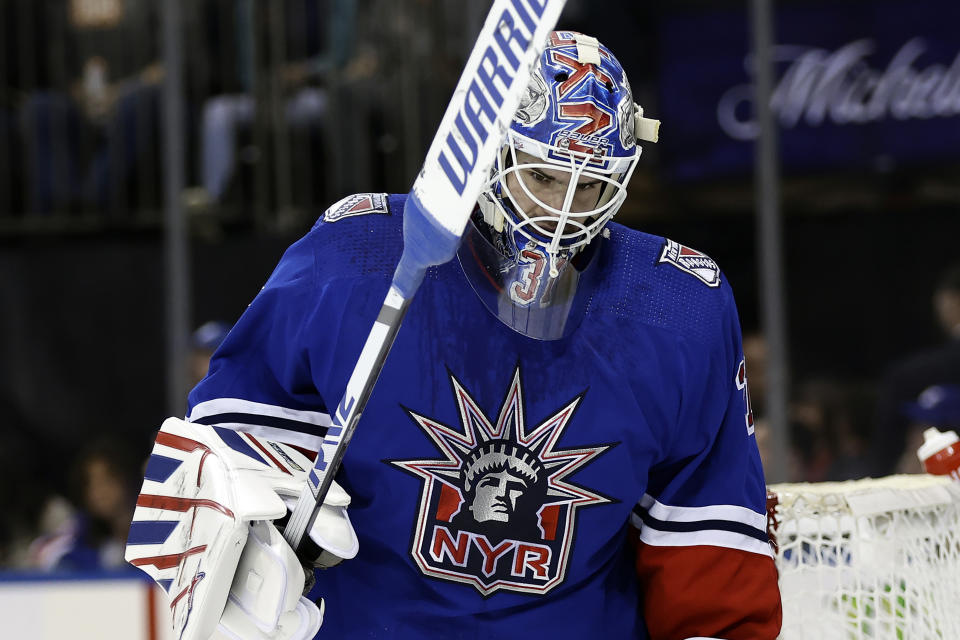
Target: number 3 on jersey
741,380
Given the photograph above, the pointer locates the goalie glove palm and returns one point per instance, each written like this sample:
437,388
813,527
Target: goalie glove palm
207,504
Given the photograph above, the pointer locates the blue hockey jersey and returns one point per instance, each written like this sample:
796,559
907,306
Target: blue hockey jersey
606,483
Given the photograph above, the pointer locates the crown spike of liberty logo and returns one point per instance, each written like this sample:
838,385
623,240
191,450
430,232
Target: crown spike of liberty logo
481,444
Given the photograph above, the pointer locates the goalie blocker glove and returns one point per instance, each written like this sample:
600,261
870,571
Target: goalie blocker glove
206,530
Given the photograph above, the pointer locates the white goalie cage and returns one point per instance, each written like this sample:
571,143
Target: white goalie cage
874,558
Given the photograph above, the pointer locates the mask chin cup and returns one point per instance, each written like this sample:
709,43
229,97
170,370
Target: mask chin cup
519,290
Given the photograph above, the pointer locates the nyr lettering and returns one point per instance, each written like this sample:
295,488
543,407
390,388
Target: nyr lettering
484,95
505,560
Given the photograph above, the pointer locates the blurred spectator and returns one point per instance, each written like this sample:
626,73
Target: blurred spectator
20,76
906,379
203,343
325,31
830,424
850,425
95,115
946,301
938,406
104,484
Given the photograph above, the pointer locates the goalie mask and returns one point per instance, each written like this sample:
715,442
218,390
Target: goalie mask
559,178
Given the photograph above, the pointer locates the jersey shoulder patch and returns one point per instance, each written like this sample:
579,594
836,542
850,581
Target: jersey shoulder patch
697,264
359,204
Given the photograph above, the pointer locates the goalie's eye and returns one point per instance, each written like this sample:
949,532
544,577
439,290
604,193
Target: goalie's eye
587,186
542,178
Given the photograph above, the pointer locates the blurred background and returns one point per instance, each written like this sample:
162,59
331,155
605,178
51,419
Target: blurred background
156,158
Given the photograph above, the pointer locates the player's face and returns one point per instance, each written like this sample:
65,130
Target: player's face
549,186
496,496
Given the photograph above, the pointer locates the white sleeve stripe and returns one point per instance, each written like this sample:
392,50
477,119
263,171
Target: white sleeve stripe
711,538
236,405
733,513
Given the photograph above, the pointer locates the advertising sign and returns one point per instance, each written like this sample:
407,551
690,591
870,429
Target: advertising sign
858,85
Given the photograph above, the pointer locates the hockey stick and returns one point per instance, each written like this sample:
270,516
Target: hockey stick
438,207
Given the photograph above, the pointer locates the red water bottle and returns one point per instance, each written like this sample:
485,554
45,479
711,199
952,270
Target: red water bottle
940,453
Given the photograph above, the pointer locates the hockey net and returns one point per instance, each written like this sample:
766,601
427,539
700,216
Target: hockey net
875,558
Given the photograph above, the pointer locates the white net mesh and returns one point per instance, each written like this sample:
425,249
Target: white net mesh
869,558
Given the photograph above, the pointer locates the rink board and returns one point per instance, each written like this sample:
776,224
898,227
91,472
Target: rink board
82,607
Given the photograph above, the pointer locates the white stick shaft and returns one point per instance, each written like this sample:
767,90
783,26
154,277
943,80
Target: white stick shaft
345,418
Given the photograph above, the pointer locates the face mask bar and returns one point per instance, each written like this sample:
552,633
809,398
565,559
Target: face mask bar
561,231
